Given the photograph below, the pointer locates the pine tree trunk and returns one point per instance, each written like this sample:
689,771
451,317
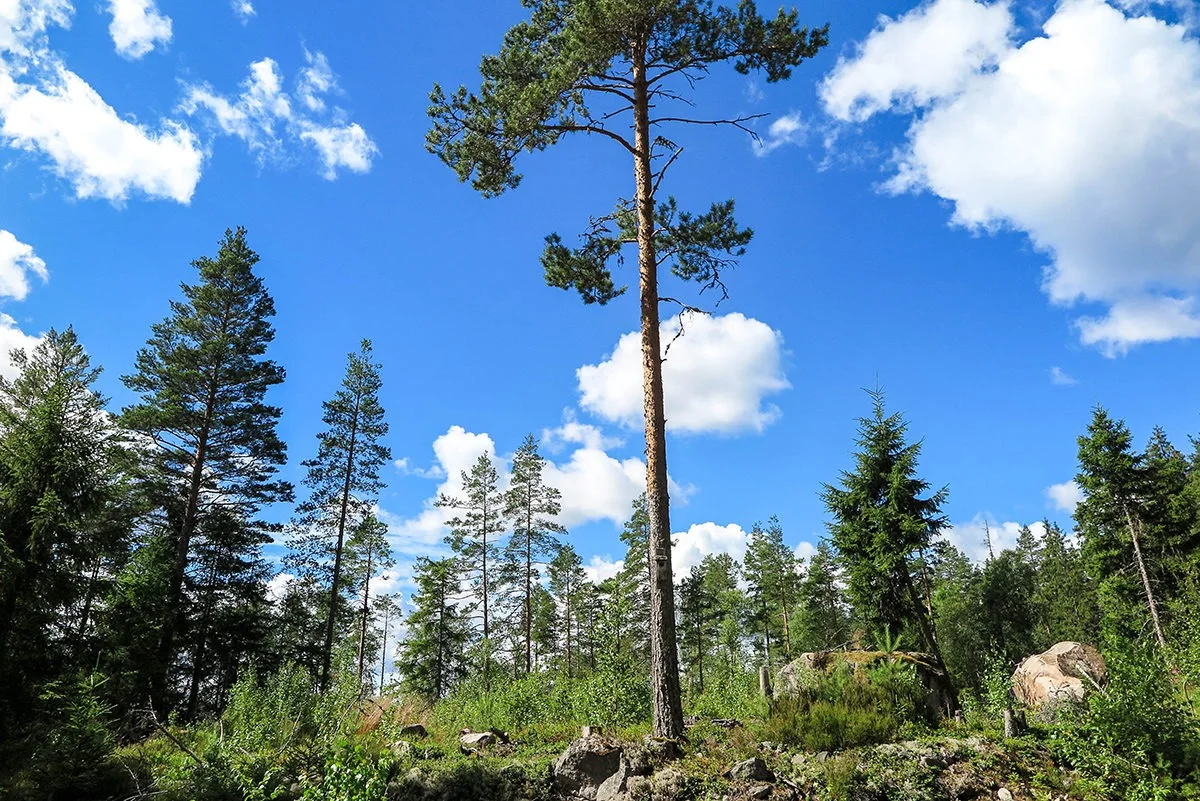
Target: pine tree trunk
362,632
664,660
529,587
327,655
487,643
383,650
1141,566
197,667
183,541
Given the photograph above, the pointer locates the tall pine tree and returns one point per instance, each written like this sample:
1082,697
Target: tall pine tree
202,381
343,482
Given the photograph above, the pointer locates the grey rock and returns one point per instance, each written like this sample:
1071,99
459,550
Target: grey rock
403,749
478,739
761,791
1003,794
668,784
751,770
588,766
413,730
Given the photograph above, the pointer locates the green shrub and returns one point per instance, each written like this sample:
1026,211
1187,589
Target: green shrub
729,695
351,773
1137,738
847,707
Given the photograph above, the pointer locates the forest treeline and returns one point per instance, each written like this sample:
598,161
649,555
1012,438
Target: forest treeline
134,589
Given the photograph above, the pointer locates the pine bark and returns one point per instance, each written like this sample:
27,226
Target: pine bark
664,659
343,514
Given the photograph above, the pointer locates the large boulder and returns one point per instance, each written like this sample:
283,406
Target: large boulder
939,700
1065,672
591,769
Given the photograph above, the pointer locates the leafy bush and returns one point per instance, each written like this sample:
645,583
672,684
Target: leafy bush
351,773
730,695
1137,739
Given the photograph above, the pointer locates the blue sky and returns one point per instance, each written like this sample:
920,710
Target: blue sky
987,208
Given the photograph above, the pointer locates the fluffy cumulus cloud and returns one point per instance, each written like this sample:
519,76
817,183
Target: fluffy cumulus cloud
972,537
137,27
701,539
12,338
48,110
17,263
717,377
269,117
1065,496
1085,137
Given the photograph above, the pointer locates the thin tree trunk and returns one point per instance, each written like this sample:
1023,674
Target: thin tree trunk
1141,566
327,655
198,660
362,632
664,659
383,649
529,585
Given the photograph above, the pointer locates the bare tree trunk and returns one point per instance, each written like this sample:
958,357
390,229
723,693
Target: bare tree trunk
344,512
664,659
1141,566
362,632
383,649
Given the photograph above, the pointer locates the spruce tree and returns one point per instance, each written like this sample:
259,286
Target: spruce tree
343,486
431,659
474,532
637,575
880,522
581,66
202,381
532,508
1112,527
65,505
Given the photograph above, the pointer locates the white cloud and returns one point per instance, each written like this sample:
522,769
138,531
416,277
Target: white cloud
1059,377
17,263
47,109
1065,496
137,26
600,568
971,537
716,377
805,550
243,9
702,539
930,52
12,338
269,118
1086,138
342,146
316,80
278,585
786,130
573,432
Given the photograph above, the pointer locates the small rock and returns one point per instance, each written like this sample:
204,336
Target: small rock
668,783
761,791
1003,794
403,749
727,723
589,766
752,770
477,739
413,730
822,756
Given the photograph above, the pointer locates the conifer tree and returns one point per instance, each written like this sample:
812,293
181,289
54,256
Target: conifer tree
532,508
822,622
636,574
343,483
593,67
696,635
202,381
1111,521
474,532
566,579
368,554
431,659
64,507
770,571
880,521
